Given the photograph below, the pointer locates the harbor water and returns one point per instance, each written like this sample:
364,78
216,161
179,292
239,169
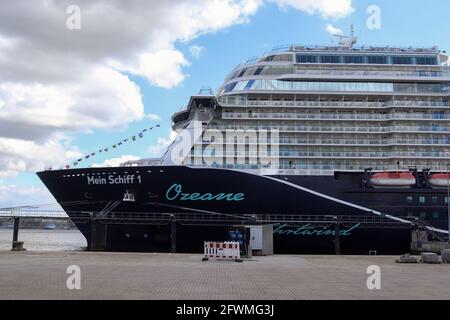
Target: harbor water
45,240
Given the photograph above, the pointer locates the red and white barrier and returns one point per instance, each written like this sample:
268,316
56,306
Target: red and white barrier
222,250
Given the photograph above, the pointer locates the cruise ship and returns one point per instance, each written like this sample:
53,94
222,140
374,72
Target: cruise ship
330,145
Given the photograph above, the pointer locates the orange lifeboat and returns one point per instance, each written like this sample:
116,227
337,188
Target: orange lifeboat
393,180
440,180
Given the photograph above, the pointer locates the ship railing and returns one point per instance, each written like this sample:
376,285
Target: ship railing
296,47
365,73
333,116
335,129
338,142
329,167
300,48
229,101
142,162
340,155
14,213
195,218
353,142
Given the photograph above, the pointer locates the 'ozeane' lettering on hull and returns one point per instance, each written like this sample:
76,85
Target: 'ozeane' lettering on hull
175,192
111,179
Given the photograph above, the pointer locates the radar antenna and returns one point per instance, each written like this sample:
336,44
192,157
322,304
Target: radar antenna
347,42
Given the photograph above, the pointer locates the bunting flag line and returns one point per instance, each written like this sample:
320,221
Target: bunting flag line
114,146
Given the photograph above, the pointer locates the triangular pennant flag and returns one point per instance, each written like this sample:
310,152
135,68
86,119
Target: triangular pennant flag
140,134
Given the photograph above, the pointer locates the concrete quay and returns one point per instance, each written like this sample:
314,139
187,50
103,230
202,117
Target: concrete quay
104,275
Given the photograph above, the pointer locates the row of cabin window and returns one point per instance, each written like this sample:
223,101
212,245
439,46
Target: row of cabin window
366,59
336,86
424,215
423,199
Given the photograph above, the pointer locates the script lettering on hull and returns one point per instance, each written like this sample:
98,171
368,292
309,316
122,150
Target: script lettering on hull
175,192
310,230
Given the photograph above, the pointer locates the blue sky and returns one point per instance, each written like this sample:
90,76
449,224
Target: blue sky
403,23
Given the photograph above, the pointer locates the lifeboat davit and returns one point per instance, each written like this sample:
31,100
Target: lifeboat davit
440,180
393,180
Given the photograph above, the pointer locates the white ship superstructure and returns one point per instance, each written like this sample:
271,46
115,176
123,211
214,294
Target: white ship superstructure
341,108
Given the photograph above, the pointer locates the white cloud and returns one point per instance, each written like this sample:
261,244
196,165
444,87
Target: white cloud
19,155
14,195
33,116
326,8
152,116
196,51
103,98
333,31
158,149
115,162
162,68
55,81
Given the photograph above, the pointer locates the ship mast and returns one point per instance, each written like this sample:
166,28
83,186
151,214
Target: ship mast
347,42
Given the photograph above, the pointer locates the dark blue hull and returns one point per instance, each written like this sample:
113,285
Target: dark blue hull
202,204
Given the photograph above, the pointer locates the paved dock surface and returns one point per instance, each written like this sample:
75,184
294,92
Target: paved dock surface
36,275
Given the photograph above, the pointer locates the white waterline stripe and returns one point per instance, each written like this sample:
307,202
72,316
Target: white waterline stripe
351,204
330,198
338,200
